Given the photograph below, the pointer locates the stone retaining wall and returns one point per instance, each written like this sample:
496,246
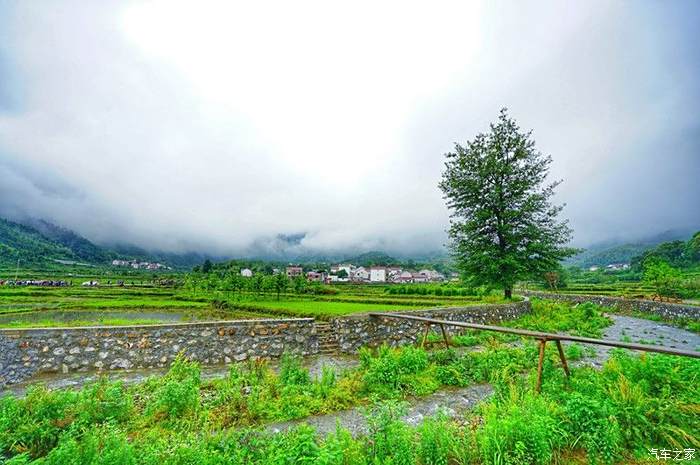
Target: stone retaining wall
663,309
27,352
356,331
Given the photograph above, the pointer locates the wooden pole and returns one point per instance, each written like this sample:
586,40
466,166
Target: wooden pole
425,335
540,363
444,336
563,359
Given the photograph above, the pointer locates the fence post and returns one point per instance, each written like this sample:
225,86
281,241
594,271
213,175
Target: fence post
444,336
563,359
543,342
425,335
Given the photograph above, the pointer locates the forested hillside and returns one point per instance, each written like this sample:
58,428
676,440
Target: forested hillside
19,242
82,248
680,254
38,242
606,253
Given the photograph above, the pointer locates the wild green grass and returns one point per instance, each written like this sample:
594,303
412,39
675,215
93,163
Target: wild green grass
609,416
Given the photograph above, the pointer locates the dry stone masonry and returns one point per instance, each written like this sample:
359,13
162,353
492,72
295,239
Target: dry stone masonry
663,309
28,352
356,331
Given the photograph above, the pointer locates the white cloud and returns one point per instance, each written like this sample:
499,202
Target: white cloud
208,125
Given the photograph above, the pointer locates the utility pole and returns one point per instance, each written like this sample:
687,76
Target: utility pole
17,271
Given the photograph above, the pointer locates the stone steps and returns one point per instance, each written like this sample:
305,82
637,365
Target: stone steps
327,341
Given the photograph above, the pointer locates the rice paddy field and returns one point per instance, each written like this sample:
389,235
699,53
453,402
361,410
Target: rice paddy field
147,303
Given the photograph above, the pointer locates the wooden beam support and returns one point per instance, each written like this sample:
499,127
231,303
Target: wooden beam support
563,359
444,336
540,365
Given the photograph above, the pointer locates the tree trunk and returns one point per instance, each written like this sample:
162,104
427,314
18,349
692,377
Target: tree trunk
508,292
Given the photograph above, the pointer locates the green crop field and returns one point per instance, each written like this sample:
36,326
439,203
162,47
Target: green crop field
111,304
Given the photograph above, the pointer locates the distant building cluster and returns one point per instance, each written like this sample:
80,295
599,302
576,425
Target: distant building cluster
140,265
347,272
612,267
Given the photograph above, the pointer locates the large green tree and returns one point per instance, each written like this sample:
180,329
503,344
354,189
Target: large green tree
504,226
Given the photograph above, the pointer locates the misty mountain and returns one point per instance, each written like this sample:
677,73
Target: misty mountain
620,251
175,260
81,248
372,258
39,242
24,243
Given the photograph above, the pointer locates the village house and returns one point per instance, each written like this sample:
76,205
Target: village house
315,276
377,274
392,272
348,267
360,274
247,273
432,275
294,271
404,277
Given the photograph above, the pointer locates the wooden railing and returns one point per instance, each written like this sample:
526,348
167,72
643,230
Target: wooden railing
543,338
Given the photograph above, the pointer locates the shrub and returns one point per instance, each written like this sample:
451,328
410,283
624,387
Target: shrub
35,424
292,373
436,441
340,448
297,446
103,446
178,393
392,371
521,429
574,351
389,440
592,422
104,401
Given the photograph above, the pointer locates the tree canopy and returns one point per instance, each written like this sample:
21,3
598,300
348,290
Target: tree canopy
503,225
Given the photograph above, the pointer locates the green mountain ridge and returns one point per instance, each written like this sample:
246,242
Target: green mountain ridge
609,252
38,242
29,246
81,247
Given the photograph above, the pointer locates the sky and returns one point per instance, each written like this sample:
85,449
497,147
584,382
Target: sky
218,126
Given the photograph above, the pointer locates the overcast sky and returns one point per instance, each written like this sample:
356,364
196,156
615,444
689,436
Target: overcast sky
215,126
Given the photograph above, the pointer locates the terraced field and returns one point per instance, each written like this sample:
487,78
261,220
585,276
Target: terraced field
147,304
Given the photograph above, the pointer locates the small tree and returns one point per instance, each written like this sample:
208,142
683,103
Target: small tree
256,283
552,278
663,277
299,284
503,225
280,282
192,282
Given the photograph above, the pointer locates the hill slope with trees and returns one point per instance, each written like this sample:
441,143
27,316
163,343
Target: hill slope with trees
24,243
